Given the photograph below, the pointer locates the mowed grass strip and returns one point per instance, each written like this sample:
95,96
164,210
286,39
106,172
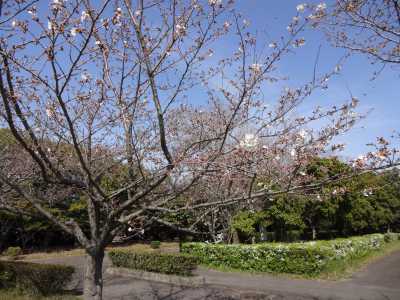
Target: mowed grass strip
165,247
345,269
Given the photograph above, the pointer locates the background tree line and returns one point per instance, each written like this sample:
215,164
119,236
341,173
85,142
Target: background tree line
366,203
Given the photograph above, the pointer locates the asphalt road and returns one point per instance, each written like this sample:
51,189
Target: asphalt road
378,280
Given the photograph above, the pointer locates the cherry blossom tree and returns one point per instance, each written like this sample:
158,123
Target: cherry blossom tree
370,27
90,87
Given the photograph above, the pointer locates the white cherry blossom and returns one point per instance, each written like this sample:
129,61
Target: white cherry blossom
301,7
85,77
246,22
74,31
214,2
180,29
303,133
249,141
227,25
49,112
256,68
32,11
272,45
84,15
320,7
299,42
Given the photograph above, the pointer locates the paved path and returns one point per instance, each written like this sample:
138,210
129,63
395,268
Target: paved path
379,280
384,273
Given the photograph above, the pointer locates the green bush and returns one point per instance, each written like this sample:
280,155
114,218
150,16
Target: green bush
12,252
154,262
293,235
392,236
310,258
264,257
35,279
270,236
155,244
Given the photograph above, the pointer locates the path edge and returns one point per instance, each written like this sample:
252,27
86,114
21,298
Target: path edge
192,281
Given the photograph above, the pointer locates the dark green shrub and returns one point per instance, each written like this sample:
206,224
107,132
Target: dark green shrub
188,238
270,236
293,236
154,262
7,278
391,236
155,244
13,252
35,279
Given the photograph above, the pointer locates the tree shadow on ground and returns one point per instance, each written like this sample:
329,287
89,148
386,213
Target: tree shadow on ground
157,291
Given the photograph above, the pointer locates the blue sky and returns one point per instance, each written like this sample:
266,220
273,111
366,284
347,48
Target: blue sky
378,95
270,18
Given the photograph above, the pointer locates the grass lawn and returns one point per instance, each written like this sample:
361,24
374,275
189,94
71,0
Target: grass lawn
345,269
44,255
15,295
164,247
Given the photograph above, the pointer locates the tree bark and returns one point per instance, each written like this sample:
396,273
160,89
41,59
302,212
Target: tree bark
314,233
235,237
93,280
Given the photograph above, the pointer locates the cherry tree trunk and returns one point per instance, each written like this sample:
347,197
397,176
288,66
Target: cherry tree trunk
235,237
314,233
93,277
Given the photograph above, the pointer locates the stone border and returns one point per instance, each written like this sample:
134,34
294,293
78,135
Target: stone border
193,281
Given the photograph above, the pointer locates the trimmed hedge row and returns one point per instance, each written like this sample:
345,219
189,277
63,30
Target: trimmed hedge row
392,236
12,252
310,258
265,257
35,279
177,264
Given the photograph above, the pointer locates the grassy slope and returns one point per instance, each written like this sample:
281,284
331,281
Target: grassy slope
346,269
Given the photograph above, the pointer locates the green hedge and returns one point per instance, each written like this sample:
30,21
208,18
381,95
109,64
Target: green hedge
154,262
12,252
308,258
392,236
35,279
155,244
